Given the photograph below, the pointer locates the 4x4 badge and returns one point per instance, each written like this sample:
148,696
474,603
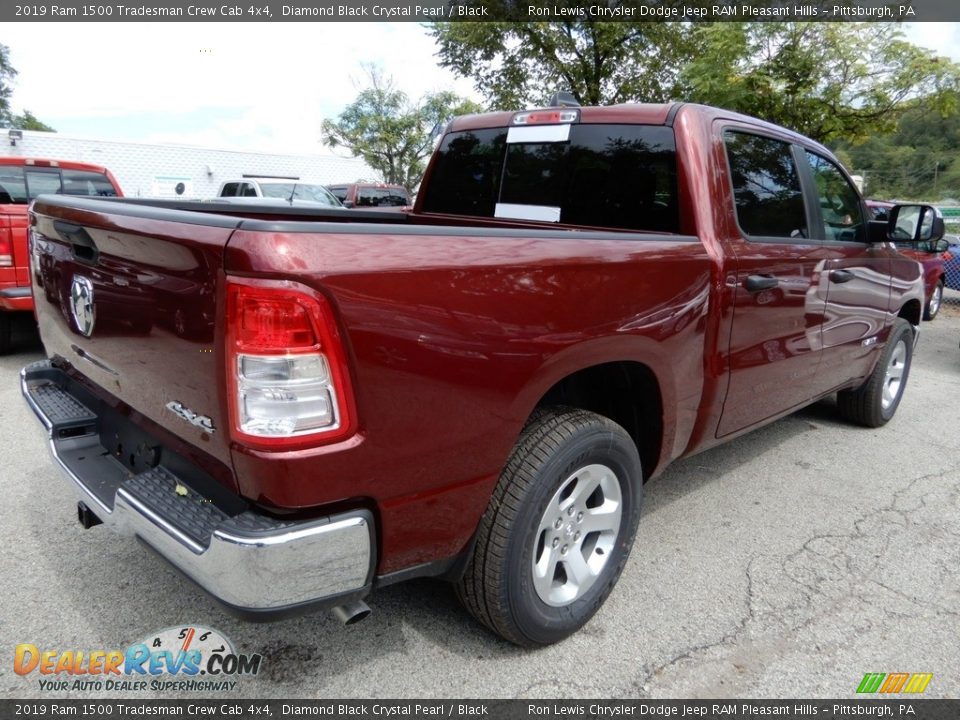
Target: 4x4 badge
201,421
81,305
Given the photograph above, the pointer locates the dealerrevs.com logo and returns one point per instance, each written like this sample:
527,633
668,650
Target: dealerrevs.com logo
181,658
894,683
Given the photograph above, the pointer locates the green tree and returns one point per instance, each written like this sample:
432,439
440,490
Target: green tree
389,131
918,161
826,80
28,121
516,65
8,74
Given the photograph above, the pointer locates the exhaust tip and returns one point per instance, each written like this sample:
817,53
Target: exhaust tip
86,517
351,612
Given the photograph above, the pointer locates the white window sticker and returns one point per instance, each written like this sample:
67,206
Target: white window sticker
538,134
543,213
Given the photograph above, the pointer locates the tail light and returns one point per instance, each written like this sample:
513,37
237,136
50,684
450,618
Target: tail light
6,247
286,367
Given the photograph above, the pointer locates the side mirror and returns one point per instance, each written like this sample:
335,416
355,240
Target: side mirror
941,245
915,223
348,203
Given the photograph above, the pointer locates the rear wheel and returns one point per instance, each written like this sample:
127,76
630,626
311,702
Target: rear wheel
876,401
558,529
933,304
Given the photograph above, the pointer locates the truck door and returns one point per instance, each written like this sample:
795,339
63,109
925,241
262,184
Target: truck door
775,341
855,282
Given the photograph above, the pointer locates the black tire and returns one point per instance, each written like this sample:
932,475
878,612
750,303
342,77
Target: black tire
876,401
6,324
556,447
932,308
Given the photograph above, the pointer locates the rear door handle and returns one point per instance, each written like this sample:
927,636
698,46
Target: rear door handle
841,276
756,283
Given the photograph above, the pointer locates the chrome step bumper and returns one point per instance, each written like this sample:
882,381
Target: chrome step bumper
253,563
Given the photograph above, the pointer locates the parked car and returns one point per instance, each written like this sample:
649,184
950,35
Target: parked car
22,180
261,191
477,389
372,195
931,255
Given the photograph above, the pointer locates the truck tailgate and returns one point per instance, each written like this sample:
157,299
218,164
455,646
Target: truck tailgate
127,298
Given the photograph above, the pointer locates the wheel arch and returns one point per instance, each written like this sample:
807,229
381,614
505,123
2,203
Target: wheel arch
629,392
912,312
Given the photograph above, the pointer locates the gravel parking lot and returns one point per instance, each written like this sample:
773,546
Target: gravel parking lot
787,563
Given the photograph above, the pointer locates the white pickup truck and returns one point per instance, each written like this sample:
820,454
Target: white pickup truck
292,191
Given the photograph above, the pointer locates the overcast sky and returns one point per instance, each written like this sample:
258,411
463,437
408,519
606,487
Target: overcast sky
244,86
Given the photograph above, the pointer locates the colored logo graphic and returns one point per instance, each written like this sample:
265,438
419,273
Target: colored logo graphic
187,652
888,684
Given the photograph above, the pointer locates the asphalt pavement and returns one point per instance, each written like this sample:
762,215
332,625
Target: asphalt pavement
787,563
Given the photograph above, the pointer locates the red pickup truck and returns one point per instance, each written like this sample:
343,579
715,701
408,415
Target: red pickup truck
21,180
475,390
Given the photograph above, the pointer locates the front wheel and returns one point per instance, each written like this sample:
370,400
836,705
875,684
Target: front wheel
558,529
876,401
933,304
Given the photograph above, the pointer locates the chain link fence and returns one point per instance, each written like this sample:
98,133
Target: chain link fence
951,260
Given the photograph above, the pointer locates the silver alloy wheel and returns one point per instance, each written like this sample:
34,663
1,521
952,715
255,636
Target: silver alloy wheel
934,305
893,379
577,534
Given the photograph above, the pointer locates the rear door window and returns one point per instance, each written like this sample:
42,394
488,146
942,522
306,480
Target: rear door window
617,176
766,186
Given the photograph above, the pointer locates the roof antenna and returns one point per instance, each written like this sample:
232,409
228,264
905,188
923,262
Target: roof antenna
563,99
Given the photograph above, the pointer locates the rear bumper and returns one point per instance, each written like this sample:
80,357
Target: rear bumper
255,564
14,299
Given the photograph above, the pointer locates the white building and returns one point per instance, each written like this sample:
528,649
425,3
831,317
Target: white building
154,170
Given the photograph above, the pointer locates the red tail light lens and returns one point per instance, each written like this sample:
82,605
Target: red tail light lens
265,323
286,367
6,247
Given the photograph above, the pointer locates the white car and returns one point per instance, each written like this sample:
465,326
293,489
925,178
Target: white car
290,190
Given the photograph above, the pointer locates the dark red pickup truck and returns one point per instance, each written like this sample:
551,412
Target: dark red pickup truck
21,180
475,390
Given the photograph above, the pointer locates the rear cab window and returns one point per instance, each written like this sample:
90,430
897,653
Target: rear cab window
23,184
382,196
338,191
597,175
